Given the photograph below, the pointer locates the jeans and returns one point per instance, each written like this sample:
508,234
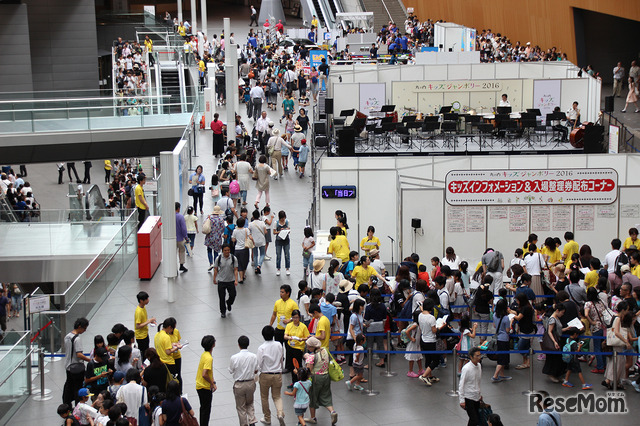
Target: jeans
243,195
205,396
279,246
223,287
601,362
307,262
198,196
258,256
16,302
192,239
211,255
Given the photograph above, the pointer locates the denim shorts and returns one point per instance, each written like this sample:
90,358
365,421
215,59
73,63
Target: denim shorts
300,411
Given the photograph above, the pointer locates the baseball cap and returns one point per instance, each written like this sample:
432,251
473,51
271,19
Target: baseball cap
117,376
84,392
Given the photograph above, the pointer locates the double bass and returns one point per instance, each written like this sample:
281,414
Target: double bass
576,137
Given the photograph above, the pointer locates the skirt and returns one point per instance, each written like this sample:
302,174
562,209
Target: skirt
554,366
320,391
243,258
536,286
413,346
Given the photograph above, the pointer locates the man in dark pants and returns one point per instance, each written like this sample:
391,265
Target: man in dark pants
142,323
23,170
469,387
71,166
225,276
87,172
282,310
73,357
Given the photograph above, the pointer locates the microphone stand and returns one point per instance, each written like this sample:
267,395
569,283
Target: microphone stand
392,246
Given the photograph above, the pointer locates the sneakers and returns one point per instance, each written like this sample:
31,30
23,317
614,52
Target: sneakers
265,421
210,268
358,388
223,315
349,385
624,110
334,417
412,374
586,386
567,384
287,272
267,258
434,379
542,357
183,269
554,379
636,386
505,377
311,420
425,380
278,273
496,379
420,373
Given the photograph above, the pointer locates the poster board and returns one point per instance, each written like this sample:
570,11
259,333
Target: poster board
347,97
372,97
546,95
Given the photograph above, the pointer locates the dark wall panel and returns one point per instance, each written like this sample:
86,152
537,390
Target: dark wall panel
15,57
63,40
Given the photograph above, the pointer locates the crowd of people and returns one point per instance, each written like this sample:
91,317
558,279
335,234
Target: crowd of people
130,75
19,194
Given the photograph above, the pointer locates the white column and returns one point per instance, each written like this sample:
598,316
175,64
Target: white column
167,212
203,12
231,84
194,17
180,11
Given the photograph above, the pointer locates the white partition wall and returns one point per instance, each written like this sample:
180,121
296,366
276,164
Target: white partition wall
393,190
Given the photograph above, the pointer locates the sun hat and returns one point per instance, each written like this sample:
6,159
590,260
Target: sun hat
275,132
217,211
373,252
318,265
298,128
313,342
345,286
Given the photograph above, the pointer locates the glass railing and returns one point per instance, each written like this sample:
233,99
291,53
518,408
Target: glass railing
15,372
87,293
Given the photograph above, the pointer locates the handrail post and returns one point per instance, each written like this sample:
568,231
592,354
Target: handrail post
454,375
29,371
370,391
387,372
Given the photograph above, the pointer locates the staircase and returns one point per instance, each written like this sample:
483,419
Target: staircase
6,211
380,14
170,83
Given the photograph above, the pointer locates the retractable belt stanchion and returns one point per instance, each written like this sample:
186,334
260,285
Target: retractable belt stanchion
454,370
615,369
45,394
530,391
388,372
370,391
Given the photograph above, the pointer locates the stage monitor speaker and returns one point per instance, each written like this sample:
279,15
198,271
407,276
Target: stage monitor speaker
347,142
608,103
416,223
328,105
594,140
319,128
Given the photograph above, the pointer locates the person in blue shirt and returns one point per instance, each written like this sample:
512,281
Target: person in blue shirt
181,237
312,36
252,42
327,308
525,282
404,42
303,155
502,323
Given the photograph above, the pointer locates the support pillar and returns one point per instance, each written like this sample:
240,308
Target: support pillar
203,13
194,17
180,11
167,211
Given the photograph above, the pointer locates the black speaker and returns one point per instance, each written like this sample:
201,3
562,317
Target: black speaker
319,128
416,223
321,141
594,140
609,103
347,142
328,105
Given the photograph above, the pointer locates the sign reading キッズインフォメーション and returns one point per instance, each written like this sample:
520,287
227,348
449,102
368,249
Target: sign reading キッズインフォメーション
528,187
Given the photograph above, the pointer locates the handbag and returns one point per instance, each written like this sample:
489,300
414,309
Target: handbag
170,377
206,226
335,370
190,192
543,277
186,419
248,241
492,346
143,415
547,342
75,368
613,340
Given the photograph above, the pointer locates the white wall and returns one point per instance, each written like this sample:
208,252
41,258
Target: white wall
393,190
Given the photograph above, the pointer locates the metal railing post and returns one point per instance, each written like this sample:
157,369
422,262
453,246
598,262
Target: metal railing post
454,375
615,369
388,372
29,372
530,391
370,391
45,394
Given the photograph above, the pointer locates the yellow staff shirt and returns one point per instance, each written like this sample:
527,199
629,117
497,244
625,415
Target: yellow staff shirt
324,324
301,331
283,310
339,247
139,317
570,248
139,192
206,363
162,342
368,244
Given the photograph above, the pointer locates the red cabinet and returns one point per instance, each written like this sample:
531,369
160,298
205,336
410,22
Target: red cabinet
149,247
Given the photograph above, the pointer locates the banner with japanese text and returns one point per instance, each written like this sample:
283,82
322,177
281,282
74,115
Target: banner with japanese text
529,187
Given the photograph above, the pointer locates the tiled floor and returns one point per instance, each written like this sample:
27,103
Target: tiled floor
402,401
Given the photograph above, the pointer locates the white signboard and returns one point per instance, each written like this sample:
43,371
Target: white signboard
546,95
372,97
38,304
614,137
531,187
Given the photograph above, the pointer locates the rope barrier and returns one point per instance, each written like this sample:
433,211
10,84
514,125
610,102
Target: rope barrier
35,336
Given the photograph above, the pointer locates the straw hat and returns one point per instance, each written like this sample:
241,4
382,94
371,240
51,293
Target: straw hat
275,132
373,252
318,265
625,268
298,128
313,342
345,286
217,211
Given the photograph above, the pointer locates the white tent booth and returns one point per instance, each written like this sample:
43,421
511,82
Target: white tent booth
477,87
391,191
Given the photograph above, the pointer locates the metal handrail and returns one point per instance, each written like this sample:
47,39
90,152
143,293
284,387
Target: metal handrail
103,98
92,108
27,356
385,8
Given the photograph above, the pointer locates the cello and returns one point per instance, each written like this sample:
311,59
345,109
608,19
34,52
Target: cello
576,137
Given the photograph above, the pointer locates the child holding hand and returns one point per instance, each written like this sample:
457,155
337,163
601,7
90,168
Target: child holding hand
300,392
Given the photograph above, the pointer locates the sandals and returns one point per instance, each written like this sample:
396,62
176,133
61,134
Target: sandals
522,367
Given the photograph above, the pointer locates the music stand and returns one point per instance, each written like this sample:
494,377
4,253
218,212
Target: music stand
388,128
503,110
528,124
429,127
388,108
484,129
445,109
384,120
535,111
451,116
409,118
431,118
358,123
509,128
449,129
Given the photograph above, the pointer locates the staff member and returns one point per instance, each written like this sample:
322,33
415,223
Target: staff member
243,366
270,360
205,383
141,202
217,126
282,309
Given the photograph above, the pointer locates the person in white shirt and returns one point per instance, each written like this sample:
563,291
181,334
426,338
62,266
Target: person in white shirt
504,102
573,115
243,367
270,364
610,261
133,394
257,97
469,386
262,126
376,263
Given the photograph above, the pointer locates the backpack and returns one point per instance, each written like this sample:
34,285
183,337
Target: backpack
343,270
273,88
494,263
228,211
567,357
234,187
406,311
227,239
622,259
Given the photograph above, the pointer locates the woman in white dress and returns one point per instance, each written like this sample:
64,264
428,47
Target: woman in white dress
244,171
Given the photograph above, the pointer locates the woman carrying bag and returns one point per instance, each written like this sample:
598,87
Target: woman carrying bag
617,339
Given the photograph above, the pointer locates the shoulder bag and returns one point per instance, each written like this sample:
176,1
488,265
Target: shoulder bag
547,342
186,419
76,368
335,370
206,226
615,341
493,344
143,415
248,241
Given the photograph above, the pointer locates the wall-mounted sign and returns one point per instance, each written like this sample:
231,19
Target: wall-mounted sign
535,186
39,304
346,191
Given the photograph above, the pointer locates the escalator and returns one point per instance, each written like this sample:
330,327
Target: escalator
170,84
319,14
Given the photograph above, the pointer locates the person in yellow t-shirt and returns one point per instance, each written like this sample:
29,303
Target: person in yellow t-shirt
364,271
342,224
323,326
142,322
296,334
107,171
570,248
148,43
591,277
550,252
370,241
632,240
314,22
339,245
167,347
533,239
141,202
282,311
182,30
205,383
